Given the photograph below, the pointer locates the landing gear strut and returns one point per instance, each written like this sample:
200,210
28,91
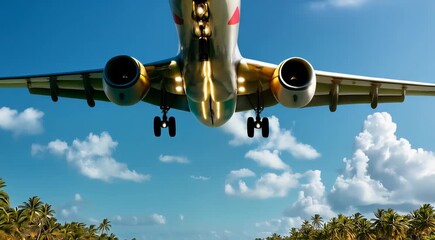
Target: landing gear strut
258,123
165,122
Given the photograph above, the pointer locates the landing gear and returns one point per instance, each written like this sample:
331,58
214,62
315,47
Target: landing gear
258,123
165,122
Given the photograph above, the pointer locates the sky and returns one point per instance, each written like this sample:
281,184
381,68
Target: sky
215,183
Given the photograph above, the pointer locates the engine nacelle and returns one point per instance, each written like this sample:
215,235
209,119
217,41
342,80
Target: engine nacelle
125,80
294,83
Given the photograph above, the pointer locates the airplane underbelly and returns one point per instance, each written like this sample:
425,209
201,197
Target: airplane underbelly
211,90
212,113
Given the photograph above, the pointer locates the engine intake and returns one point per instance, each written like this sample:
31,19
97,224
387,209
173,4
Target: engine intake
125,80
294,83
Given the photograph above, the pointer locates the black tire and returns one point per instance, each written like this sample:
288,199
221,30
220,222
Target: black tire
157,126
172,127
265,127
250,126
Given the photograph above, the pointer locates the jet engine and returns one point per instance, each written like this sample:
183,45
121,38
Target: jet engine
294,83
125,80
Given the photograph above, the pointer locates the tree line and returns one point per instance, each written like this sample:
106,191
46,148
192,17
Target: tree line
35,219
387,224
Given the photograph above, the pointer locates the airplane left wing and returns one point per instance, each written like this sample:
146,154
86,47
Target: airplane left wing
331,89
88,85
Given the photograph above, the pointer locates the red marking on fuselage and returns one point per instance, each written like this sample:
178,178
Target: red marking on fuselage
178,20
235,19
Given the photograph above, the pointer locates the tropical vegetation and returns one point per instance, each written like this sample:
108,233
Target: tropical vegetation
387,224
35,219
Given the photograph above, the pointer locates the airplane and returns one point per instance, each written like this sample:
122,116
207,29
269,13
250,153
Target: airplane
210,78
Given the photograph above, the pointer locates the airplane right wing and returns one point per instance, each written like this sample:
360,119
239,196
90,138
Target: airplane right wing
331,89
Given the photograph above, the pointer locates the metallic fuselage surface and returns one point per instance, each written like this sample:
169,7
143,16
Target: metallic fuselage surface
210,81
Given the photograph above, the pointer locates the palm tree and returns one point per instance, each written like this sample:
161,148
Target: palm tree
104,226
317,221
274,236
389,225
18,224
4,197
363,229
50,230
422,221
345,228
306,230
92,232
331,229
32,208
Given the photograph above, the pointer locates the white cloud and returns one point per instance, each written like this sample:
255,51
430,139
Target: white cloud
77,197
154,219
279,139
159,219
278,225
270,185
236,127
283,140
27,122
266,158
312,198
93,158
70,212
338,3
237,174
200,178
385,169
173,159
266,154
182,217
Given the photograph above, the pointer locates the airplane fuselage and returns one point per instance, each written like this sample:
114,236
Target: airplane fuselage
209,55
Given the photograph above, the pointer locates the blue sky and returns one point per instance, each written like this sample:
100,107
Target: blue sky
212,183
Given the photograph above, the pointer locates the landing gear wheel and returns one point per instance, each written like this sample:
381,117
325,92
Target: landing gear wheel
157,126
265,127
172,127
250,127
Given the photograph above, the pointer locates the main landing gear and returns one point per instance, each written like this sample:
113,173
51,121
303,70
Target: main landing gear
165,122
258,123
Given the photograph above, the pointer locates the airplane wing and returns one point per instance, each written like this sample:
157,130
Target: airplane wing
332,89
88,85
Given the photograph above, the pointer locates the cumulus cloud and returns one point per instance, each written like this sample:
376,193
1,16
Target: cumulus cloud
173,159
237,174
279,139
277,225
338,3
92,157
385,169
270,185
267,158
154,219
27,122
267,154
312,198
